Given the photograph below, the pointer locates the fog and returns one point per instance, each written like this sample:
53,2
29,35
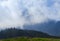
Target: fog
22,12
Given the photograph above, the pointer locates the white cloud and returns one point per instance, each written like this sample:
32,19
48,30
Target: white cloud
11,12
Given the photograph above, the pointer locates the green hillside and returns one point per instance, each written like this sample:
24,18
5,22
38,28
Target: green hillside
30,39
25,35
10,33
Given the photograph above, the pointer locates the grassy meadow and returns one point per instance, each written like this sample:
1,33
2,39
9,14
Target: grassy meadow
29,39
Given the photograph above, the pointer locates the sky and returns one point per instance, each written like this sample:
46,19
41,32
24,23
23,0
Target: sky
20,12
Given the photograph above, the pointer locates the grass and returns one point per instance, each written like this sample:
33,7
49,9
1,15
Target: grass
30,39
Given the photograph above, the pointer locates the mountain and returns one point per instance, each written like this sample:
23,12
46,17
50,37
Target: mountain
9,33
51,27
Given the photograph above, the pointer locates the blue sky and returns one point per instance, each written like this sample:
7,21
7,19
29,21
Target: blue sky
21,12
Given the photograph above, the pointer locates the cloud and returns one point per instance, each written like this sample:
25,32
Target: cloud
21,12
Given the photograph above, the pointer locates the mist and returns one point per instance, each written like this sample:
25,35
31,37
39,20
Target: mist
22,12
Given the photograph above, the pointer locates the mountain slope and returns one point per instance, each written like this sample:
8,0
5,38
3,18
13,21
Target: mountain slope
9,33
51,27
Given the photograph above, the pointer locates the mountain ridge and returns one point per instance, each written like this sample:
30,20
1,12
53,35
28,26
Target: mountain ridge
12,32
51,27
